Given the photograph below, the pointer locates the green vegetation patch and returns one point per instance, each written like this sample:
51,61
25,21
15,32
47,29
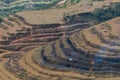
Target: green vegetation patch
1,19
23,6
98,15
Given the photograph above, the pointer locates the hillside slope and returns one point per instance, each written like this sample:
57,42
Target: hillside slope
57,15
90,54
8,7
74,43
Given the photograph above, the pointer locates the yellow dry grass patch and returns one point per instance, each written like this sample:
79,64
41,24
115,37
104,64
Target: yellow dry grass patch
43,16
56,15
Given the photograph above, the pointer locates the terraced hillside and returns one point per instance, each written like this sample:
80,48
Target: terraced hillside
90,54
77,49
15,31
71,53
18,37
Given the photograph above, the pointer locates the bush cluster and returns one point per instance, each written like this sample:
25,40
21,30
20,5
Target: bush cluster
98,15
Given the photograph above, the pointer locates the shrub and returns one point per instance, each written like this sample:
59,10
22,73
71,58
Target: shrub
99,15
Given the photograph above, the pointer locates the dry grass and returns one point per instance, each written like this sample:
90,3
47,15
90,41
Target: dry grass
56,15
79,43
27,63
6,75
43,16
59,73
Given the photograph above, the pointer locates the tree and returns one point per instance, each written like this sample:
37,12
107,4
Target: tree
1,20
7,1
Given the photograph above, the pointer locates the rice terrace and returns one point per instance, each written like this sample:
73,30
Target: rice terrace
59,39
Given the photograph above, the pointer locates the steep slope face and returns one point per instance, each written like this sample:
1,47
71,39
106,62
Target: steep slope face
93,52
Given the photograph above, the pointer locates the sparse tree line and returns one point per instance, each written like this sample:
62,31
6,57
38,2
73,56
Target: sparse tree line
1,20
98,15
7,11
